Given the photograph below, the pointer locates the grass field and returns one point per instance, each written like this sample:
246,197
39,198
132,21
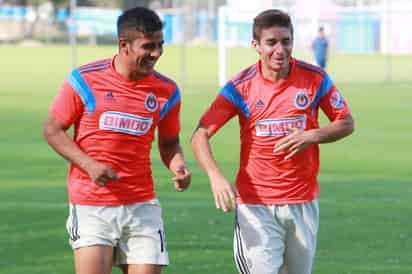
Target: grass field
366,185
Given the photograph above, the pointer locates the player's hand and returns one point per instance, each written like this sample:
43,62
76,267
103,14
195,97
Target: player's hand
223,193
99,173
182,178
296,141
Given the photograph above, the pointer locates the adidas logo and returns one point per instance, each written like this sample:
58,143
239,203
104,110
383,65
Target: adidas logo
109,97
259,104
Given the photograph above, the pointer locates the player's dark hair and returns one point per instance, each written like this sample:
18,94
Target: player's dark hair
138,19
271,18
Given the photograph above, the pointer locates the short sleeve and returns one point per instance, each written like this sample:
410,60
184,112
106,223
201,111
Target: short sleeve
227,104
334,105
169,124
330,100
67,106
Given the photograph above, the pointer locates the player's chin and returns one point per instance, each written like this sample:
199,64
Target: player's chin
279,66
276,67
146,68
144,71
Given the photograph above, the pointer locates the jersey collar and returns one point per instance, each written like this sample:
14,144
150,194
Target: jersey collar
279,84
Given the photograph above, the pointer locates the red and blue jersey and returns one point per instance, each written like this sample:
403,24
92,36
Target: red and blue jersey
266,112
114,122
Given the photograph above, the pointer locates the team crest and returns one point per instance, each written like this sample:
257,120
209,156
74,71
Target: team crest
302,100
336,100
151,102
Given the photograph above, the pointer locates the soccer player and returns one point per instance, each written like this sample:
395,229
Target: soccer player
320,48
277,102
115,106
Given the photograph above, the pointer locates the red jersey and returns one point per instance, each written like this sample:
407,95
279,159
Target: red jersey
266,112
114,123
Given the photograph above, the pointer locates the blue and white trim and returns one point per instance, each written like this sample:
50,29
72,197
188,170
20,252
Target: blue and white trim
82,89
323,89
233,96
173,100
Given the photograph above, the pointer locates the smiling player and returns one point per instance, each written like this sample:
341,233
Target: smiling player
277,102
115,106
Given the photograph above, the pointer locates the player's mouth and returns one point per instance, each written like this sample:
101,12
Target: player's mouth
278,62
279,59
149,63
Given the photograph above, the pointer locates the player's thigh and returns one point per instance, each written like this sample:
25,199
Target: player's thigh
141,269
143,242
301,240
258,240
93,225
93,260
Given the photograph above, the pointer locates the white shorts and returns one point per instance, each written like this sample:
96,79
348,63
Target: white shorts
276,239
135,231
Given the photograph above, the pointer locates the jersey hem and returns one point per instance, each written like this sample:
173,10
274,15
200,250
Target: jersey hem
112,203
275,201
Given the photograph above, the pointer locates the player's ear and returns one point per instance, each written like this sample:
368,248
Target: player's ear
256,46
123,45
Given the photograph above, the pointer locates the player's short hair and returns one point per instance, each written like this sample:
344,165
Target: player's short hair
138,19
271,18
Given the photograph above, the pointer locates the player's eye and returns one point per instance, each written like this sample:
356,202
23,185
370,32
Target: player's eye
153,46
286,42
271,42
149,46
160,45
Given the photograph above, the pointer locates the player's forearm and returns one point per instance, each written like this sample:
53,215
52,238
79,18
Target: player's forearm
334,131
172,155
64,145
175,160
203,152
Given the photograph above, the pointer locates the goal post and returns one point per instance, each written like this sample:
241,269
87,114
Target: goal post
234,30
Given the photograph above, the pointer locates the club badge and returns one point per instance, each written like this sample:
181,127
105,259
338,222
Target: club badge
302,100
151,102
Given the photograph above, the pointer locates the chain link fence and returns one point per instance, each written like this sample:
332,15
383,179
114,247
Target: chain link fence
369,40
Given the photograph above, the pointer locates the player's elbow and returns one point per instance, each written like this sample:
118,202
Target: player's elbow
194,139
199,136
51,129
349,125
48,132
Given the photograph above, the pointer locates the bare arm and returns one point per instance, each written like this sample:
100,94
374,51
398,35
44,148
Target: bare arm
56,136
172,156
222,190
299,139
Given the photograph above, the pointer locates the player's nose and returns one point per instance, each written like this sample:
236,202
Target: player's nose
156,53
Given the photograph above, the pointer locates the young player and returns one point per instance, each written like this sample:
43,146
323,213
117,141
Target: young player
115,106
277,102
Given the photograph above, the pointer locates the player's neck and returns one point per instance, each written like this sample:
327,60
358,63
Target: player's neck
122,69
275,76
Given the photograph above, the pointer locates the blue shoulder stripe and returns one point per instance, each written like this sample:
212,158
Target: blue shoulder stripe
173,100
323,89
79,85
233,96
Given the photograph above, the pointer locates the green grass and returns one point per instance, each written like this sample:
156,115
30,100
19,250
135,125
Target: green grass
366,224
